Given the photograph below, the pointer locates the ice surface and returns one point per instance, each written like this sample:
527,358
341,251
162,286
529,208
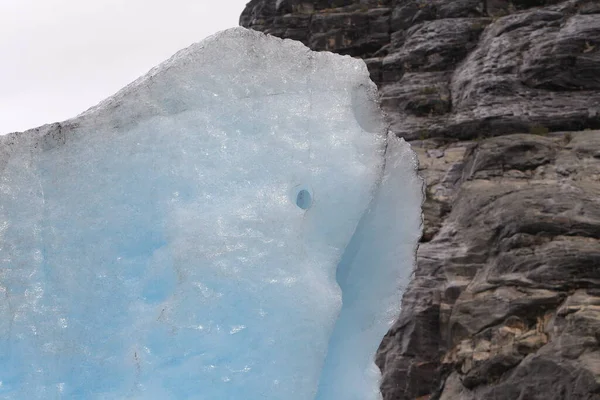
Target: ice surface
185,238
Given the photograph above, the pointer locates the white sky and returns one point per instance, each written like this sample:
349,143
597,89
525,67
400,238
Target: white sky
60,57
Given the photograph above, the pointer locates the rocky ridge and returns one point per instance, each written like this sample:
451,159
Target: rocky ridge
501,101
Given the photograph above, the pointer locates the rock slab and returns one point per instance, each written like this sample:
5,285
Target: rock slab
501,101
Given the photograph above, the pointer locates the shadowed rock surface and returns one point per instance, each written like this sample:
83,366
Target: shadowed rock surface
501,101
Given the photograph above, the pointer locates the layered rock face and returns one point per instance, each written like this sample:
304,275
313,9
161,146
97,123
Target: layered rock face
501,101
505,302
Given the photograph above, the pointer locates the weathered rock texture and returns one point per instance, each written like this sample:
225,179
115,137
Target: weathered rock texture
501,101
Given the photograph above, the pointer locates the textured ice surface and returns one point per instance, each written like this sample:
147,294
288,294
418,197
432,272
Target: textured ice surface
185,238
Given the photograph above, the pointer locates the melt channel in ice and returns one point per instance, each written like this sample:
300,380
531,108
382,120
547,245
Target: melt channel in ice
235,225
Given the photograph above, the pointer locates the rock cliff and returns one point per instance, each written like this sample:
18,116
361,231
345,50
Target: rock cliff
501,101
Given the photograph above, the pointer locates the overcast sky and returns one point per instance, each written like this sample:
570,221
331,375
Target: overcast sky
60,57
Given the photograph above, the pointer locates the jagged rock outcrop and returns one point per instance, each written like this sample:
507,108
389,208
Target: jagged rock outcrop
507,290
501,101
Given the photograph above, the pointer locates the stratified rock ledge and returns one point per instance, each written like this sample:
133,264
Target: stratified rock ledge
501,101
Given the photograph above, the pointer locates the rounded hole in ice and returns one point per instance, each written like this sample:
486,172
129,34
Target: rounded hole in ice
303,198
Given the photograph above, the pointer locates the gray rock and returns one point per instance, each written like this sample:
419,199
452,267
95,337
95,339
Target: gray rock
500,100
511,273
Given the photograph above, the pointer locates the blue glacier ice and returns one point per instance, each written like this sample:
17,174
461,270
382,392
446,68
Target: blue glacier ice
236,224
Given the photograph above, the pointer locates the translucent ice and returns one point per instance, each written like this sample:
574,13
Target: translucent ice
185,238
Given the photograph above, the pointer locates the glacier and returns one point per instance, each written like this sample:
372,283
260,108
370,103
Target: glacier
236,224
